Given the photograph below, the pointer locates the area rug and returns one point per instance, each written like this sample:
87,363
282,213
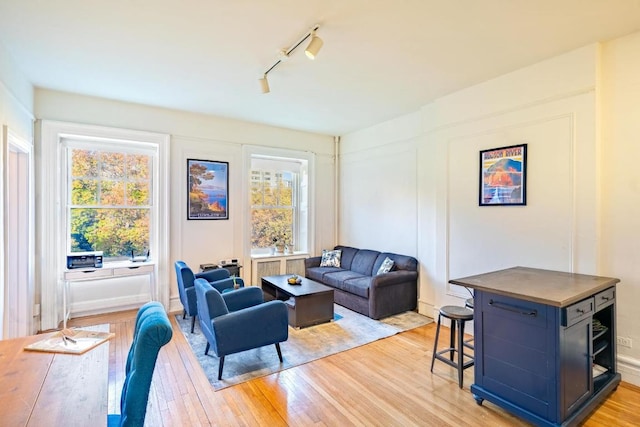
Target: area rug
348,330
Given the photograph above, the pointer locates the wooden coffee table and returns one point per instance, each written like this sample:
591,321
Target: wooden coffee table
308,303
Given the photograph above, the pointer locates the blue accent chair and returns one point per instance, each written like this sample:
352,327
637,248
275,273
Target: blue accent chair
239,321
219,278
152,331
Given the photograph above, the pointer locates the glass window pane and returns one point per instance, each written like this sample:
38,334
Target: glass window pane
113,165
116,232
84,163
84,192
138,194
138,166
112,193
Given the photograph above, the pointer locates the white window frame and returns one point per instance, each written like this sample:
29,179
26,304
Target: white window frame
304,230
51,216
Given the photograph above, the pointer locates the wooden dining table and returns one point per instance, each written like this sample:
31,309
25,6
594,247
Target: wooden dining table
53,389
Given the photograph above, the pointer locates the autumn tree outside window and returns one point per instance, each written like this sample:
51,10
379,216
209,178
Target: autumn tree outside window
278,197
109,198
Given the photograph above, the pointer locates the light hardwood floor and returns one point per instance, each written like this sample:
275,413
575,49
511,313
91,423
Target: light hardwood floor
385,383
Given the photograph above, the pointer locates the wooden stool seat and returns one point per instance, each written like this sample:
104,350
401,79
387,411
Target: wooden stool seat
458,316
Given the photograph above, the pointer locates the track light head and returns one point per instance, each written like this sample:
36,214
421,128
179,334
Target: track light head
264,84
314,46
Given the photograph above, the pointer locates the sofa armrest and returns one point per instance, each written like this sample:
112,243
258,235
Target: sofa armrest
312,262
394,278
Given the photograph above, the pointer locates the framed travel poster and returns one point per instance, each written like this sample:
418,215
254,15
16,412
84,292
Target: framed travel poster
503,176
208,189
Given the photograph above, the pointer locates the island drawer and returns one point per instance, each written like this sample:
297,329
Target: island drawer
605,298
577,312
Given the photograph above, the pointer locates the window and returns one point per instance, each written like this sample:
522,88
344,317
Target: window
109,198
279,200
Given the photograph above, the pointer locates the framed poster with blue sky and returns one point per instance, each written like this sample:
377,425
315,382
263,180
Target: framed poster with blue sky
503,176
208,189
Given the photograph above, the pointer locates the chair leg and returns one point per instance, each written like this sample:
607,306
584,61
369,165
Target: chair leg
193,322
279,351
220,366
435,344
184,314
206,350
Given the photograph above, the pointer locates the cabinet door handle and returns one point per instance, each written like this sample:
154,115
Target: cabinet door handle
512,308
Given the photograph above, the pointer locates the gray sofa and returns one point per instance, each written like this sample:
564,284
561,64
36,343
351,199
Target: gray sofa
358,287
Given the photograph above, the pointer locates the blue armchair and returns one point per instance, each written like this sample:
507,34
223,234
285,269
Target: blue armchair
152,331
219,278
238,321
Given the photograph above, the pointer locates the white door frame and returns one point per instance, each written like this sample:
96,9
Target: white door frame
18,241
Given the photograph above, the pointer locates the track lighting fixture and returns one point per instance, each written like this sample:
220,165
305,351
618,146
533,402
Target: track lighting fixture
264,84
311,51
314,46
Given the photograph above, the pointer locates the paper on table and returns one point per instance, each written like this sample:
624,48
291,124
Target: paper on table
72,341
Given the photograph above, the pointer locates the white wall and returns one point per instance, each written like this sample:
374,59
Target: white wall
578,216
620,188
16,115
202,137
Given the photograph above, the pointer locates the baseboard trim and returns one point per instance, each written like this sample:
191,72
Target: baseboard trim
629,368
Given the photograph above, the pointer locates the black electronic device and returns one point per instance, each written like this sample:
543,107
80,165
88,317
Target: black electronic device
84,260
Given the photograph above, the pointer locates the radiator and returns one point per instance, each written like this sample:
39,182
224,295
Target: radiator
272,266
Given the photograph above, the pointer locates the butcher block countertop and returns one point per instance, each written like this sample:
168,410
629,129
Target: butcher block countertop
555,288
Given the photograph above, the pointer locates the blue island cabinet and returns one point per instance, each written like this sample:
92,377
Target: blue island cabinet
544,343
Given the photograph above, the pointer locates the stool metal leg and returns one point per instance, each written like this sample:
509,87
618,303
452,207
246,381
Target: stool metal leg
452,339
435,344
460,352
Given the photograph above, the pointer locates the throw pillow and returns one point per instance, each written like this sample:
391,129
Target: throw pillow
386,266
330,258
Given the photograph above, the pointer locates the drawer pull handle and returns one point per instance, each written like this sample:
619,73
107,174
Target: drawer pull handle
579,310
513,309
606,298
133,268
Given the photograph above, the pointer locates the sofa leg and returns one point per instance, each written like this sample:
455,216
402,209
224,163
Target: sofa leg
184,314
279,351
206,350
220,366
193,322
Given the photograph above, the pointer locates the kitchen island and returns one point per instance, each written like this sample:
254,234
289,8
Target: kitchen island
544,342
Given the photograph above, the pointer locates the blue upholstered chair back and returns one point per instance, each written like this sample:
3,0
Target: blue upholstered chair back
185,278
152,331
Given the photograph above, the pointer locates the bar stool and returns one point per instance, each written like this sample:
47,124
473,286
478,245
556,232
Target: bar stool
458,316
469,304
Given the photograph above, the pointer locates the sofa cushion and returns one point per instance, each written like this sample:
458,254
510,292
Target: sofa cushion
363,262
317,273
386,266
330,258
347,256
400,262
349,281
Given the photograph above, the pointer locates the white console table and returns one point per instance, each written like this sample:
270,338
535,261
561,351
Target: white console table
111,270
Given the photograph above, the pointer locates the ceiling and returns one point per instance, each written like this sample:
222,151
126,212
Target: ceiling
381,58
